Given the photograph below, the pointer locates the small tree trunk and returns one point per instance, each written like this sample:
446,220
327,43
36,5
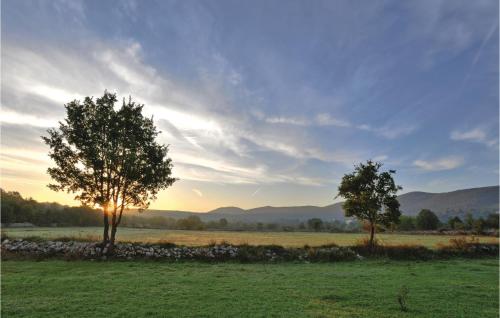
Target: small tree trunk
372,234
114,226
113,235
105,235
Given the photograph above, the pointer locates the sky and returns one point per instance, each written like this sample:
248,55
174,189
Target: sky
263,102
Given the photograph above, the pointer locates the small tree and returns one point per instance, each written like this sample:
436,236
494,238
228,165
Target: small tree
223,222
469,221
455,223
315,224
370,195
427,220
109,158
479,225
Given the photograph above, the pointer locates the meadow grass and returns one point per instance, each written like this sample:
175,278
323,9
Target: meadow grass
200,238
455,288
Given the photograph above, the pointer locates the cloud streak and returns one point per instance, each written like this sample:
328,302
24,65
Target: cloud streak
440,164
286,105
477,135
230,150
197,192
326,120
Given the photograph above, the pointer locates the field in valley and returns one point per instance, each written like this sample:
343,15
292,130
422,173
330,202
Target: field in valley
454,288
199,238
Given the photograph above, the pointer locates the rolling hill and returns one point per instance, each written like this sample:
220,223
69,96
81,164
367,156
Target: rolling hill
478,201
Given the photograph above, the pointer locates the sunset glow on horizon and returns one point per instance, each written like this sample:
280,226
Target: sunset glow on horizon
260,110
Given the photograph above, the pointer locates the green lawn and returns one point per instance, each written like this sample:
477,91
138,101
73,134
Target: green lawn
457,288
198,238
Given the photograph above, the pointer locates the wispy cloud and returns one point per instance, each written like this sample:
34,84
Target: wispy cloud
486,38
381,158
197,192
255,192
325,119
288,121
387,131
392,132
232,147
477,134
322,119
446,163
267,104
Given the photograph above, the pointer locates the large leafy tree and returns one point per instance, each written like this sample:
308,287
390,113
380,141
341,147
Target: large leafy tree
108,157
370,195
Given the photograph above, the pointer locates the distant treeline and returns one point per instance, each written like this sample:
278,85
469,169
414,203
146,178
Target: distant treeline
16,209
194,222
427,220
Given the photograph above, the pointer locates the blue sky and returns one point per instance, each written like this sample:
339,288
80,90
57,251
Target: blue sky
264,102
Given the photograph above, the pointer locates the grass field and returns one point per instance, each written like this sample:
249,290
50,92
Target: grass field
458,288
197,238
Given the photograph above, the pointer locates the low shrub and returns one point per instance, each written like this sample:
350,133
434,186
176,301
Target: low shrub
86,238
224,243
364,247
402,298
329,245
34,238
460,246
408,252
165,244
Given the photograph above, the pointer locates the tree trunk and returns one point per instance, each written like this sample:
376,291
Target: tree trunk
372,234
111,242
105,235
113,235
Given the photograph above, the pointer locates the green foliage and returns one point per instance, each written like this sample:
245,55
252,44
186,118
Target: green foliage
456,223
315,224
108,157
370,195
478,226
427,220
406,223
192,222
16,209
492,221
223,223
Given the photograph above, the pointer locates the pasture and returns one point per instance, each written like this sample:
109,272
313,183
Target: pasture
455,288
200,238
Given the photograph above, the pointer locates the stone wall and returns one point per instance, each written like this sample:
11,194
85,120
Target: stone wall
242,253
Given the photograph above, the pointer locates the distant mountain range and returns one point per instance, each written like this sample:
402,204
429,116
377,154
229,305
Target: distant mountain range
478,201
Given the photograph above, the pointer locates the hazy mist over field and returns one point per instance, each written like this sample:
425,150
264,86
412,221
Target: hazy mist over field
261,103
